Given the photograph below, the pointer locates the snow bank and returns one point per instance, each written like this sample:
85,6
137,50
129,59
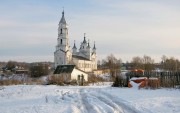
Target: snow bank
134,85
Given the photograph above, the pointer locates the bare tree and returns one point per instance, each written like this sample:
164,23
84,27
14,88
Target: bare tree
39,69
137,62
113,64
171,64
11,65
163,58
148,63
98,63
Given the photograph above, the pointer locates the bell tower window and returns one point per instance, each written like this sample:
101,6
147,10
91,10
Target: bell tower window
61,31
61,41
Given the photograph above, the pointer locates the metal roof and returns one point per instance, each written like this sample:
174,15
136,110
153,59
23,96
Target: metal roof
64,69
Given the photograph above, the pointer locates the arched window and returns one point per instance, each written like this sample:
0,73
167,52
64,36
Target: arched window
61,31
61,41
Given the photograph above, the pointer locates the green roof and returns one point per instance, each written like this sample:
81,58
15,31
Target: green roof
64,69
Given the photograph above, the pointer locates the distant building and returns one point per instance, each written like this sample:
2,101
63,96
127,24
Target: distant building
70,72
85,59
102,71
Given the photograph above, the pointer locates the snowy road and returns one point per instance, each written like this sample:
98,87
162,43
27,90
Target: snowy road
101,102
91,99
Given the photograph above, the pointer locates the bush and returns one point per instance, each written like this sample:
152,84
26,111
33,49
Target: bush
10,82
119,82
73,82
56,80
153,83
94,79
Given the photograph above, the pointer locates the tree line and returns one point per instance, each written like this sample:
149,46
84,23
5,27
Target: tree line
144,63
34,69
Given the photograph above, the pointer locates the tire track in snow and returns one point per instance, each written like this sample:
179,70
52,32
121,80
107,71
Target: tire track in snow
96,104
102,102
110,103
125,108
88,107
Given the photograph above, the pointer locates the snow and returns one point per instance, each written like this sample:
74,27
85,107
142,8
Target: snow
87,99
105,76
153,78
137,78
134,85
20,77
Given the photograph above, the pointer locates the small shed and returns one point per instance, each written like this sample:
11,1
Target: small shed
144,82
70,72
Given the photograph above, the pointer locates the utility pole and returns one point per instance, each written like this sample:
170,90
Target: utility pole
176,65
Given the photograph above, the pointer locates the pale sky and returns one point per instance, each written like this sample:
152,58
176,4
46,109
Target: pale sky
125,28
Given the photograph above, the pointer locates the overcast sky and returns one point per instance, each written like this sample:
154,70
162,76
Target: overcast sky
125,28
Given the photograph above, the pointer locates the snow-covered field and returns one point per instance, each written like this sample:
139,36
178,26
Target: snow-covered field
87,99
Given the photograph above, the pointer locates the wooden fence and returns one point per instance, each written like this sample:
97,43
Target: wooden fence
167,79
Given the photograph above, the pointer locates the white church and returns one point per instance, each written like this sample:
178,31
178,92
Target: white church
84,59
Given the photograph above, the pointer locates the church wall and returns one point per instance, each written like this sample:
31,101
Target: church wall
85,65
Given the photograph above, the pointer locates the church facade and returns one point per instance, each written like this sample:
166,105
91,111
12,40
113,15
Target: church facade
85,58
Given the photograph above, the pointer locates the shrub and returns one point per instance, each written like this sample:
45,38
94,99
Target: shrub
119,82
94,79
73,82
10,82
153,83
57,80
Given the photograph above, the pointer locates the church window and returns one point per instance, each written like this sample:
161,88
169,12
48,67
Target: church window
61,31
61,41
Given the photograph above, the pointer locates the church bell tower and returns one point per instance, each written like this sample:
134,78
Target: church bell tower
62,54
